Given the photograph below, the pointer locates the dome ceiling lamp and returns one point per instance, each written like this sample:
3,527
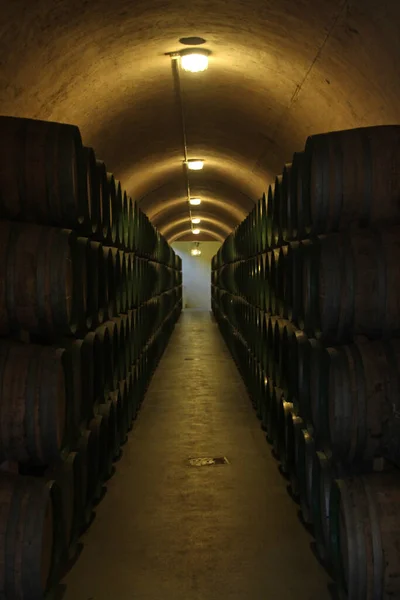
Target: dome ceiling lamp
195,164
196,250
194,60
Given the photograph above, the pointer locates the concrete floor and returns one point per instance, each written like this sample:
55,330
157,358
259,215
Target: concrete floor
167,530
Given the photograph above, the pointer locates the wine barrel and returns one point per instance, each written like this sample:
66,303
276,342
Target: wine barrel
281,294
118,216
43,280
34,415
364,534
116,283
108,262
42,173
116,399
320,359
290,267
285,201
363,401
271,348
270,215
264,406
292,423
32,544
93,192
125,221
131,224
91,296
304,448
136,229
305,347
273,282
280,374
97,290
352,178
106,378
108,412
324,472
263,224
112,201
299,219
120,356
72,363
127,343
99,428
131,336
124,393
103,234
88,449
349,285
68,475
272,424
129,280
284,452
124,283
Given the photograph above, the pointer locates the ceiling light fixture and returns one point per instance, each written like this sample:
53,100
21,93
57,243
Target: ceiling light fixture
195,201
195,164
196,231
195,252
194,61
196,221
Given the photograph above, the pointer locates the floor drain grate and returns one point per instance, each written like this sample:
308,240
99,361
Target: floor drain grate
208,462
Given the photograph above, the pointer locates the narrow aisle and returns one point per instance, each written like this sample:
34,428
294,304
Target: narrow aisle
167,530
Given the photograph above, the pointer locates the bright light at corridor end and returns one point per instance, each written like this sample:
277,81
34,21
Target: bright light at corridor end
196,231
195,61
196,221
195,252
195,164
195,201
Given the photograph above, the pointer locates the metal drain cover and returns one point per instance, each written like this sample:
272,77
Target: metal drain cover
208,462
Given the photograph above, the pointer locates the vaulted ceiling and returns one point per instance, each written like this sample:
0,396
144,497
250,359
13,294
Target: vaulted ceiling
279,70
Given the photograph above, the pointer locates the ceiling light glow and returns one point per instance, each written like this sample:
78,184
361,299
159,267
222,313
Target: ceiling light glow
196,221
195,201
196,231
195,164
195,252
195,62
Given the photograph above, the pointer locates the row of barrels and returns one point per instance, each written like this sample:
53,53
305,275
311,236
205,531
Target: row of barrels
348,395
50,392
332,287
45,508
89,295
57,283
342,180
352,511
49,178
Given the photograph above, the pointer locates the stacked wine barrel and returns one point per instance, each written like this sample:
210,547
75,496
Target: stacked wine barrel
89,294
306,291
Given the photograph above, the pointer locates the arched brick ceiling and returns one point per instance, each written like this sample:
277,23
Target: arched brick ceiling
279,71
